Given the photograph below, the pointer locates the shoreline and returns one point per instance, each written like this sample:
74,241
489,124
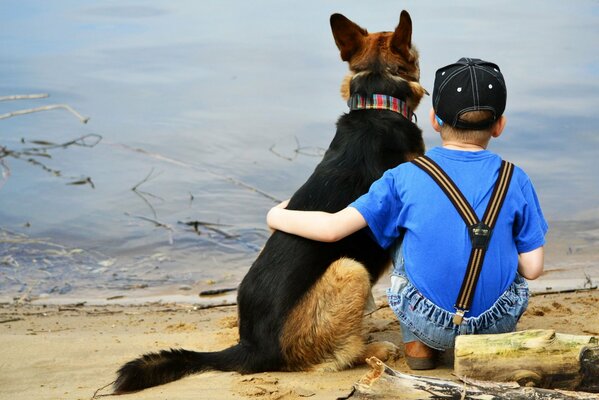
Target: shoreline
571,262
552,282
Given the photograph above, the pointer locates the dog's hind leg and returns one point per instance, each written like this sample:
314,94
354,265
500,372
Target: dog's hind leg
324,330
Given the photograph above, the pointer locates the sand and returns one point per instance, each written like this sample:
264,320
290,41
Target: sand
70,351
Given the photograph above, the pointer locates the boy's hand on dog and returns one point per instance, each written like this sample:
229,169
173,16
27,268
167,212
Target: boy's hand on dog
282,205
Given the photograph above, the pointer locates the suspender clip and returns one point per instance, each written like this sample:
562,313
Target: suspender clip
459,316
480,235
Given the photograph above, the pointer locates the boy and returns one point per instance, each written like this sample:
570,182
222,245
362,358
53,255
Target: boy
430,267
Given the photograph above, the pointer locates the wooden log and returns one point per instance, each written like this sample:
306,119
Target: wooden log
539,358
383,382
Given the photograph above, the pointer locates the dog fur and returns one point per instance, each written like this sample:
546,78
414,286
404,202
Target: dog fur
301,304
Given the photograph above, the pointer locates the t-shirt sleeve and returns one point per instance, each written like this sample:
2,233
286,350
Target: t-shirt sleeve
530,226
380,207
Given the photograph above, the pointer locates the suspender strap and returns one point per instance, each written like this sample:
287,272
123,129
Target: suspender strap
480,231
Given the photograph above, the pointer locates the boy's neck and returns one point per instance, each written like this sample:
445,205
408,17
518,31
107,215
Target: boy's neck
463,146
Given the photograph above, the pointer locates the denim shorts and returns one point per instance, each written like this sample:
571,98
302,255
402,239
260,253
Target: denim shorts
421,319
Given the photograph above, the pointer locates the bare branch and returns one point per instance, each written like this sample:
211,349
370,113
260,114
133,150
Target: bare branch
46,108
157,223
24,97
146,179
143,194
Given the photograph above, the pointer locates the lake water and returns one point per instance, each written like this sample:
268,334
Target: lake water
203,105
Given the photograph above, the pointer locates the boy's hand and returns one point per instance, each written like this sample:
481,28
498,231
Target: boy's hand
281,205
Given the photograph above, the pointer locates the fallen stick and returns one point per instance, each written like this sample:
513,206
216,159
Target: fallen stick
216,292
24,97
46,108
383,382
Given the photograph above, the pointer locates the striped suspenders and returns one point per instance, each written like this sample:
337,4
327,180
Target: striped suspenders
480,231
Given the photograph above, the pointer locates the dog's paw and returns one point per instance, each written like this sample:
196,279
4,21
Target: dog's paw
384,351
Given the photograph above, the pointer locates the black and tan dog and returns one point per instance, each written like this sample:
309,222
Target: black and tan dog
302,302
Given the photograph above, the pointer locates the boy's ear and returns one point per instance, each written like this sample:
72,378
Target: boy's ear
498,127
434,122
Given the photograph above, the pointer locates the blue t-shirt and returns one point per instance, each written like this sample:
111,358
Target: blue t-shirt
436,245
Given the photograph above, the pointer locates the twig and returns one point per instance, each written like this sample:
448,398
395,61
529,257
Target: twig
588,282
157,223
83,181
207,306
143,194
24,97
146,179
276,153
306,151
107,312
96,395
210,226
89,140
46,108
13,320
376,309
214,292
584,289
80,141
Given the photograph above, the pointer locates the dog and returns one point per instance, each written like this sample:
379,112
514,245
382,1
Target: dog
301,304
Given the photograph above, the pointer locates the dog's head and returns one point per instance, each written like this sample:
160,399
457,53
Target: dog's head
388,55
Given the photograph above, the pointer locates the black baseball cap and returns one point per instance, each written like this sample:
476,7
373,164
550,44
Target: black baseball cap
470,84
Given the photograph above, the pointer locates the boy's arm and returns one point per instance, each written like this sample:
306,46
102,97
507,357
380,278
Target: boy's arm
316,225
530,264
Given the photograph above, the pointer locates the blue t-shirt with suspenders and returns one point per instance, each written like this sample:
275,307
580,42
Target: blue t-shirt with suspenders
436,243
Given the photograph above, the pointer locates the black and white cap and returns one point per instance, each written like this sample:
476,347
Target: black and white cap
470,84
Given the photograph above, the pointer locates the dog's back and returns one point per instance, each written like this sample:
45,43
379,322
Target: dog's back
282,288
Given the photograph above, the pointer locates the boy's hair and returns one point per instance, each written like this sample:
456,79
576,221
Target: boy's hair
479,136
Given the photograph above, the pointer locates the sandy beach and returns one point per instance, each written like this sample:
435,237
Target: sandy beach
61,348
70,351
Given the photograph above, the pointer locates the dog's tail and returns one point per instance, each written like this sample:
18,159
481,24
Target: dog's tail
155,369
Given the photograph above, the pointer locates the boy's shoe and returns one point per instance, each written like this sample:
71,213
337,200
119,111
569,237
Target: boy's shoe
419,356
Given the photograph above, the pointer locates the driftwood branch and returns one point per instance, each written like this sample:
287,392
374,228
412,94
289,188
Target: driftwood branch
24,97
46,108
536,357
383,382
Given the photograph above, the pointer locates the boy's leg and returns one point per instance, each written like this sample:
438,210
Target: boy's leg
418,355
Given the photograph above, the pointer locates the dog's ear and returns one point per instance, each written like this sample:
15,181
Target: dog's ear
348,36
401,42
